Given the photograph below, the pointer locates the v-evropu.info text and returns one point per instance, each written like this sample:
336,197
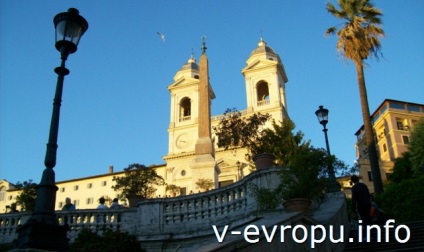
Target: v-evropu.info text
316,233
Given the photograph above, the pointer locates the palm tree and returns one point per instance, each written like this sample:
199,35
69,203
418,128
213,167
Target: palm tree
358,39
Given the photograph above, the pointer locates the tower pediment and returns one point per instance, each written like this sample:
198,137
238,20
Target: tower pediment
260,64
182,82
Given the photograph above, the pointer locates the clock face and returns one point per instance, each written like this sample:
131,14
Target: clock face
183,141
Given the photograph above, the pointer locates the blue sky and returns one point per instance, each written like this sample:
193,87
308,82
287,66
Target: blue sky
115,108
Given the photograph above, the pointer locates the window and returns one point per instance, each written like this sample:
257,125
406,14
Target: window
60,205
2,193
89,185
405,139
183,173
365,150
76,202
76,187
384,147
104,183
381,132
90,201
384,108
262,93
400,125
413,108
397,106
185,109
369,176
10,197
62,189
183,191
375,118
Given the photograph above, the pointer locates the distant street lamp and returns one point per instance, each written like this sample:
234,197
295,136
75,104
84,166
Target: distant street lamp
42,231
322,115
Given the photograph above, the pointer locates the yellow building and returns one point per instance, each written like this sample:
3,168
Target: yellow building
392,122
265,81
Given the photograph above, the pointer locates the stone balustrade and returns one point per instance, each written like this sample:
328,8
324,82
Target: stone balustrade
195,214
9,223
161,217
185,223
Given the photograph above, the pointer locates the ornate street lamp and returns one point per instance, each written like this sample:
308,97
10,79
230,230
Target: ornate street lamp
42,231
322,115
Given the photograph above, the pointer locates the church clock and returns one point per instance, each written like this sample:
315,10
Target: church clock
183,141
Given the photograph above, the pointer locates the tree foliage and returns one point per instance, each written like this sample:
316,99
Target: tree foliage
27,196
204,184
267,199
138,180
359,36
305,167
402,169
402,197
87,241
411,163
280,141
416,148
403,201
306,174
235,131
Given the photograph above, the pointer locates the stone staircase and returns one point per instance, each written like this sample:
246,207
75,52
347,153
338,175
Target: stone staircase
415,242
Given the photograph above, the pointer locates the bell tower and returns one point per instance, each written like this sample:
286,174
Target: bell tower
265,80
190,148
184,91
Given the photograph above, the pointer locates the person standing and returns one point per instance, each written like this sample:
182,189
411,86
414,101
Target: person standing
68,205
115,204
13,208
101,217
102,204
361,201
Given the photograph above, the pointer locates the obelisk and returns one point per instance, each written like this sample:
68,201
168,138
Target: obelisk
204,165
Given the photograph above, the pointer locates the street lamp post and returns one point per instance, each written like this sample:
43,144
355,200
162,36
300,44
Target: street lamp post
42,231
322,115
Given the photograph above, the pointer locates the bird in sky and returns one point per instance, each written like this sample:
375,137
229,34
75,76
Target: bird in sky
161,36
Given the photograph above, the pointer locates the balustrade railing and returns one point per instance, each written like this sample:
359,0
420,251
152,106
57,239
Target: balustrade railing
209,206
263,102
9,223
195,213
219,117
190,213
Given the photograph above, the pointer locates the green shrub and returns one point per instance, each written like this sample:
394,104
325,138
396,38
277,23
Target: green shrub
267,199
403,201
88,241
6,247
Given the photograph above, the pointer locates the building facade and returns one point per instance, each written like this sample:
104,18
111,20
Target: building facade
193,153
265,80
392,123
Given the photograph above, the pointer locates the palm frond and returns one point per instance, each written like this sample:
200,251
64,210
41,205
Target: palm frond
330,31
359,37
335,12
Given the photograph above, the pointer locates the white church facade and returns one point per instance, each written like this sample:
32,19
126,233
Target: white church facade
193,153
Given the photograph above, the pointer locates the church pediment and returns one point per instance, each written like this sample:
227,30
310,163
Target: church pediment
226,163
260,64
183,82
